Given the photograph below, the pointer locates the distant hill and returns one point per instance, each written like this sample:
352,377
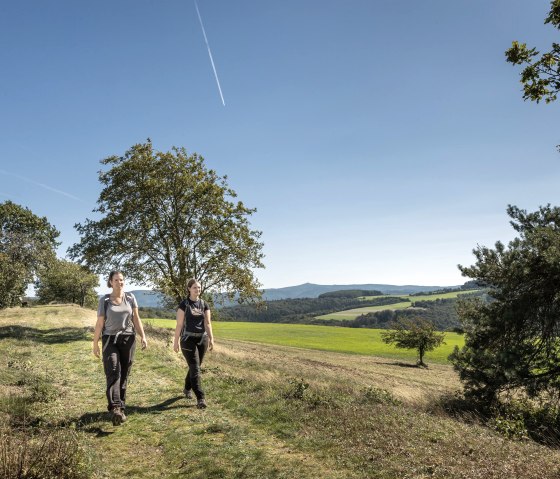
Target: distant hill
148,299
310,290
152,299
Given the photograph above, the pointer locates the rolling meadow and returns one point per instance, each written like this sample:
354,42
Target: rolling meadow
293,401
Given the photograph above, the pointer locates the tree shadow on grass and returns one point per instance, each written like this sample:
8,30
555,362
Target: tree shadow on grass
46,336
401,364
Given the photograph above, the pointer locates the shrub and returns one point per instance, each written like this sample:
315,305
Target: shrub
52,454
298,388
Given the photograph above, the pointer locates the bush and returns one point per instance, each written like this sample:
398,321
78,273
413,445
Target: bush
298,388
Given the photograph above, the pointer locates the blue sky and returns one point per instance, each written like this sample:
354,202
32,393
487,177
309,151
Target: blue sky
380,141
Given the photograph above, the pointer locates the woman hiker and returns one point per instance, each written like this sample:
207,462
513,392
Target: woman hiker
117,323
193,334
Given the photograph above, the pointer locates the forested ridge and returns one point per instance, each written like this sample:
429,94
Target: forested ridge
441,312
301,310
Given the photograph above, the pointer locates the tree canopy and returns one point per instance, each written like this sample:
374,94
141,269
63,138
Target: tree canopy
165,218
66,282
26,242
541,75
414,333
512,342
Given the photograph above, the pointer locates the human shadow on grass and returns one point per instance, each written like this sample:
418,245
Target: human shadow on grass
89,422
46,336
166,405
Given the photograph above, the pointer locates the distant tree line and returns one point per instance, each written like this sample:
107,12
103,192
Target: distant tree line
301,310
150,312
469,285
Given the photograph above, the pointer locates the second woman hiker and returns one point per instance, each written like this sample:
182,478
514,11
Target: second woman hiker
193,335
117,322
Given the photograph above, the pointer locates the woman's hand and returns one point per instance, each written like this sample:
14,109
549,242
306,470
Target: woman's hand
176,346
210,344
96,349
144,342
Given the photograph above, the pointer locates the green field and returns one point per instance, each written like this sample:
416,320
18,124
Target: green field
323,338
354,313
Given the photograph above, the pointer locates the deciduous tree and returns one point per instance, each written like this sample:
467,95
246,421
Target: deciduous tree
26,243
164,217
414,333
66,282
541,75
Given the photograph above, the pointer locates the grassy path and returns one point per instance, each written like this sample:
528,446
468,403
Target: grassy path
165,435
274,412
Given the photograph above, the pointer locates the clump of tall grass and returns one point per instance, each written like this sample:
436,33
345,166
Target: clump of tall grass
516,418
32,446
47,454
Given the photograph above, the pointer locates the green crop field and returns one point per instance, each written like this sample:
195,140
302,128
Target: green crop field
323,338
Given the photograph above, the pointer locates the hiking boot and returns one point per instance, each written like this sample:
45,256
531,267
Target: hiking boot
201,404
117,416
123,415
188,393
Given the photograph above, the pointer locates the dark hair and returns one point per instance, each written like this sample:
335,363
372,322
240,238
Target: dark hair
111,274
191,282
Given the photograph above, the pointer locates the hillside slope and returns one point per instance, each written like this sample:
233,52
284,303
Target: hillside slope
273,412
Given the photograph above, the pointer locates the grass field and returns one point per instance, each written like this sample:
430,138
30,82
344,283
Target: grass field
275,412
354,313
323,338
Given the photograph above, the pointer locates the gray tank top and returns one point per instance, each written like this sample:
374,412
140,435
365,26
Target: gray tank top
118,318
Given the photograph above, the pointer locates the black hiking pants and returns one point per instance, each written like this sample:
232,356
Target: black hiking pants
118,355
194,349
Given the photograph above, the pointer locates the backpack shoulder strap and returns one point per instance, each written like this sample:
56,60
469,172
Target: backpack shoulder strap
106,304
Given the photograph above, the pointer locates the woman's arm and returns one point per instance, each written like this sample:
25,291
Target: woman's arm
208,328
138,326
97,334
180,316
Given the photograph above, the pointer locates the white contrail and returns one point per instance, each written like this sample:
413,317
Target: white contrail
209,52
42,185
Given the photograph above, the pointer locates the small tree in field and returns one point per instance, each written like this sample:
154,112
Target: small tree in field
414,333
